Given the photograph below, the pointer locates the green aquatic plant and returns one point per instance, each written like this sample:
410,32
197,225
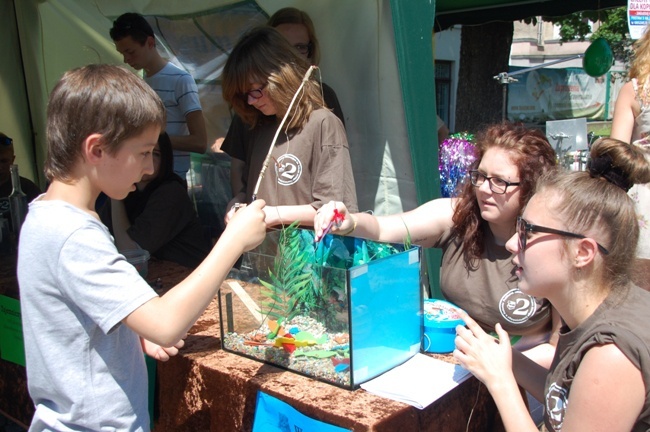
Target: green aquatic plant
309,278
290,286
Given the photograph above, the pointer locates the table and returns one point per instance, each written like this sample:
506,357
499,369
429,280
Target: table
207,389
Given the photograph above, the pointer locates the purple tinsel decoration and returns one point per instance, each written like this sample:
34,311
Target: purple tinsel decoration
456,155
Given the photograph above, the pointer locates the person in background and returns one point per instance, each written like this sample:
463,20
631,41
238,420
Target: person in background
87,314
476,272
310,163
631,124
297,27
159,215
135,40
572,246
7,158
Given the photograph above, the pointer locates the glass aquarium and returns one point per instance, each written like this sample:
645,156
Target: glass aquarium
342,310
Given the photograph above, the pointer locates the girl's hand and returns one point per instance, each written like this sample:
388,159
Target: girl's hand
487,358
333,217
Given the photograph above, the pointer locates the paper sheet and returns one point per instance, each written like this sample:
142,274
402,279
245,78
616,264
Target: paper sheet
419,381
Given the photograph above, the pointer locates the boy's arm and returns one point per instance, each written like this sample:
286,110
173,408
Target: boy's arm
197,140
164,320
158,352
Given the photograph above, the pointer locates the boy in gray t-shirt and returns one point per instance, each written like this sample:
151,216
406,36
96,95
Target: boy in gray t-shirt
88,316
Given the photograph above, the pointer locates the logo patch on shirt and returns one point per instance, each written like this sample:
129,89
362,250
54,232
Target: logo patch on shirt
288,169
556,403
516,307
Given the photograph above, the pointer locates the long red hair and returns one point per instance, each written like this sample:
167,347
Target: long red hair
533,155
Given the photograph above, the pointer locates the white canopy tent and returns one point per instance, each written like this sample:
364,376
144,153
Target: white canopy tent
360,62
377,55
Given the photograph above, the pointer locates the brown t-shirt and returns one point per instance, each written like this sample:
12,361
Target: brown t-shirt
622,319
310,166
489,293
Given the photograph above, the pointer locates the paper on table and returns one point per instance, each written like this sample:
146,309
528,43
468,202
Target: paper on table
419,381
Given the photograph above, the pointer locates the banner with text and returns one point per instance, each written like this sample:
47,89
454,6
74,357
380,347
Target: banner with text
556,94
638,17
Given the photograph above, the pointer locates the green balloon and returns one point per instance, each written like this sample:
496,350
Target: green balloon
598,58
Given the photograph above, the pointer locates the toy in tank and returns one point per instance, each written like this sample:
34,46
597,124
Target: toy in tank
343,310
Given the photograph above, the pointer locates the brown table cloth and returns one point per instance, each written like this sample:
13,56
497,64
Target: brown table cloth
207,389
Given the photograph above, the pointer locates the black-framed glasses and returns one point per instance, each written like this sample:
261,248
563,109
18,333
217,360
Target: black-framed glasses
497,185
6,141
303,49
523,228
255,94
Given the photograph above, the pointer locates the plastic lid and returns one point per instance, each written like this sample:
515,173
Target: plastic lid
441,313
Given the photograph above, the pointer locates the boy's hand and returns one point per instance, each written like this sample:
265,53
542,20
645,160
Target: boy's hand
248,226
160,353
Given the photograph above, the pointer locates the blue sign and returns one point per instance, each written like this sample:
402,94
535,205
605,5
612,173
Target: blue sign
274,415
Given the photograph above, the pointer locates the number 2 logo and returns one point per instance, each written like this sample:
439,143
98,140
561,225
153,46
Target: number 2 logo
517,307
288,169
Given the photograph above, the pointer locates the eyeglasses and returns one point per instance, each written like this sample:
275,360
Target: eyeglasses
6,141
255,94
303,49
497,185
523,228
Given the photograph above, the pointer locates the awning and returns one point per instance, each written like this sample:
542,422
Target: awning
473,12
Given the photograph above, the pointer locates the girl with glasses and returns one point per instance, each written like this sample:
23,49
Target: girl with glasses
310,163
573,246
476,271
297,27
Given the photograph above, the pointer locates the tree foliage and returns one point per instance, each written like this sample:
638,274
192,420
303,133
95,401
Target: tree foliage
612,27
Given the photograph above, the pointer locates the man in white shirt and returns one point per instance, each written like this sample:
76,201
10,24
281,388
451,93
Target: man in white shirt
134,39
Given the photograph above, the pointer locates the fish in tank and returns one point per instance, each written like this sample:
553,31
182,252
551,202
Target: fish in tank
341,310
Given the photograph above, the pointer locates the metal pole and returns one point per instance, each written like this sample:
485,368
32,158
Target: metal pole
506,78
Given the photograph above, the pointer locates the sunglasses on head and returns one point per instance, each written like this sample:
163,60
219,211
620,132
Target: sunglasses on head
523,228
6,141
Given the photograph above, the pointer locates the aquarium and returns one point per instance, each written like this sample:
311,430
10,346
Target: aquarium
343,310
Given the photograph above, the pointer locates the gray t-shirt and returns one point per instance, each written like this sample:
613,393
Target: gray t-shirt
85,369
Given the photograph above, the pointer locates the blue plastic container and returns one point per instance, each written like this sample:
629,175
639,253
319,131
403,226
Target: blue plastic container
440,320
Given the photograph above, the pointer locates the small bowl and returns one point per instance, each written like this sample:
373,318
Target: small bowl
139,258
440,320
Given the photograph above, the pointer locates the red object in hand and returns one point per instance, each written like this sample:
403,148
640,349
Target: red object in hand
338,217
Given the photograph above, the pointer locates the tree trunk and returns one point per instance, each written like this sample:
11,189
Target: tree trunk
484,53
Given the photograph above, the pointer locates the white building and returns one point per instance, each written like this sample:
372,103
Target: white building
532,46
